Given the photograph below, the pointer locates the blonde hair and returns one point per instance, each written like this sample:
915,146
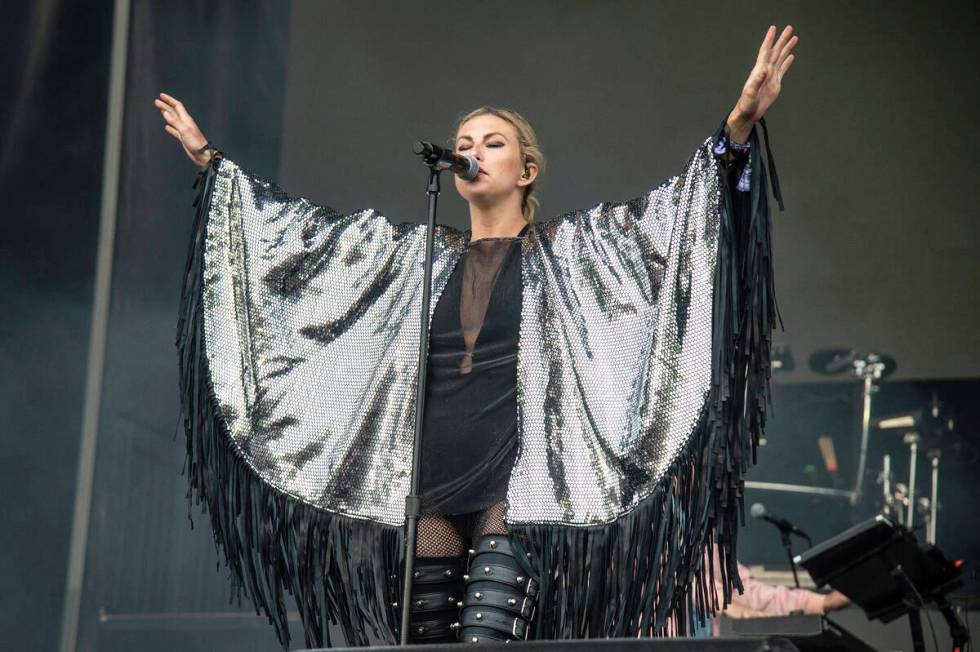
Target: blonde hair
529,146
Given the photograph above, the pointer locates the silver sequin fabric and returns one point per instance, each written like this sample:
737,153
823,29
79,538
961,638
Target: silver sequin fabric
311,330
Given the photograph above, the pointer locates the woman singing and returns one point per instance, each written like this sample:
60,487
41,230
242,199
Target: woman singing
597,383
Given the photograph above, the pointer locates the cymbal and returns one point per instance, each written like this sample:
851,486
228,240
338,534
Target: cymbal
833,362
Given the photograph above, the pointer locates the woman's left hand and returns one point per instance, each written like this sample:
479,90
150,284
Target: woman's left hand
762,87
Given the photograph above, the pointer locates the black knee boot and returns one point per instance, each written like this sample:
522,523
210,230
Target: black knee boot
437,588
499,598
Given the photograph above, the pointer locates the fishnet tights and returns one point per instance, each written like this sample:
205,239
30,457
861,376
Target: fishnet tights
437,537
445,536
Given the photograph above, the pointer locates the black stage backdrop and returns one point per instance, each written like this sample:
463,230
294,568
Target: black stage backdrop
873,136
147,575
53,83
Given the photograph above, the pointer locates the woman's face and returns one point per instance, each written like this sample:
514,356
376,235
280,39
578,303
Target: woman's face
493,141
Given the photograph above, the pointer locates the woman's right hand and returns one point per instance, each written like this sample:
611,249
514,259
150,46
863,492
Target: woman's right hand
181,126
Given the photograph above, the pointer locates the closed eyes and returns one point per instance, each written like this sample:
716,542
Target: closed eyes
461,148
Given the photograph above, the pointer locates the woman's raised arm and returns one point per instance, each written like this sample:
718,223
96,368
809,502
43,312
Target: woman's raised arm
764,82
181,126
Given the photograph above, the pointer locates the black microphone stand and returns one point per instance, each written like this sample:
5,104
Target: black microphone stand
785,533
413,503
788,544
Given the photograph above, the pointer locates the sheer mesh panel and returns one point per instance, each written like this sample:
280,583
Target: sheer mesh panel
482,265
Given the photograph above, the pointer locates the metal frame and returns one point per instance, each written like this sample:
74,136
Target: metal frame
800,489
115,108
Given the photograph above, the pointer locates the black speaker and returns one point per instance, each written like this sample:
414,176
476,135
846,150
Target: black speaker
741,644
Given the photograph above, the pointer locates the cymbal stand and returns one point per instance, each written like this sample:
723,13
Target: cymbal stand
911,439
885,479
900,500
933,456
869,369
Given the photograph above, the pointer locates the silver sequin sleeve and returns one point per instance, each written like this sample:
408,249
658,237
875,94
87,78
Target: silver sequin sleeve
311,331
615,349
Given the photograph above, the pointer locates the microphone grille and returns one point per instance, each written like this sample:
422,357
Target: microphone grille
758,510
473,170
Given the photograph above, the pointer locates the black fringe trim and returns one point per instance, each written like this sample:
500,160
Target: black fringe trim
342,571
650,572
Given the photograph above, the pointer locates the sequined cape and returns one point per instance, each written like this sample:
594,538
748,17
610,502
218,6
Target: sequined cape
643,374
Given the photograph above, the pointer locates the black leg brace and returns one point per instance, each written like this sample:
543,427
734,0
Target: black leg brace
437,589
498,603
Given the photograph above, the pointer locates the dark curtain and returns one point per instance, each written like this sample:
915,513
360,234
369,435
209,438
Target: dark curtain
53,85
150,580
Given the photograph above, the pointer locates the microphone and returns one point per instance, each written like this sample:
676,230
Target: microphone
465,167
758,511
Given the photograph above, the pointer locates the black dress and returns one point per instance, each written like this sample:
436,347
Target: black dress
469,440
469,437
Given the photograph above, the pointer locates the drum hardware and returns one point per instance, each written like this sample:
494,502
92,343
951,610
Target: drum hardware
911,439
923,507
901,502
868,367
935,424
885,480
933,456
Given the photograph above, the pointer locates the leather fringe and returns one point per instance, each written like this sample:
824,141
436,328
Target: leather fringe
649,573
339,569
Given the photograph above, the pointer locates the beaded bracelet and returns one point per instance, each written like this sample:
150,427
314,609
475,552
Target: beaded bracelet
740,147
724,141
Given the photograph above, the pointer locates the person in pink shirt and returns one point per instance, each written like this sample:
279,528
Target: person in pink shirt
759,600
